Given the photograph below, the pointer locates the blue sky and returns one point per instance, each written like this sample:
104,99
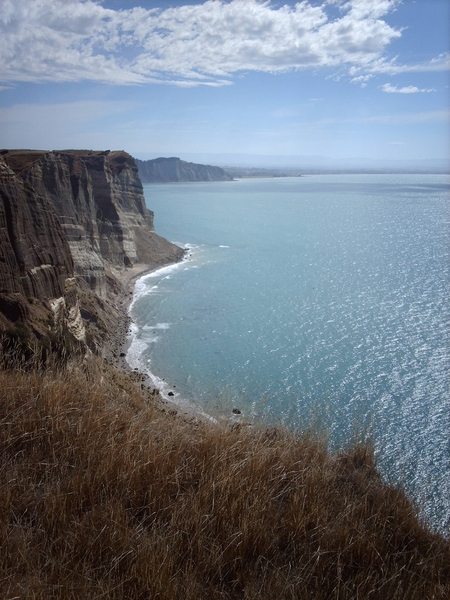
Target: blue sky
342,79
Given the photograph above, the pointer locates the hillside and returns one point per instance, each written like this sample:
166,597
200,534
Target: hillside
107,494
164,170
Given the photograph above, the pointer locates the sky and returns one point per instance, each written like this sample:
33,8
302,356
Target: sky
223,79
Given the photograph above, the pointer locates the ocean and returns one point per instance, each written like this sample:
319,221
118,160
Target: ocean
315,301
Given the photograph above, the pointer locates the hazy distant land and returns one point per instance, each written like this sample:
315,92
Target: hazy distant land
258,165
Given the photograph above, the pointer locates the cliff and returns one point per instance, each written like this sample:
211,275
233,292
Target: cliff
163,170
71,224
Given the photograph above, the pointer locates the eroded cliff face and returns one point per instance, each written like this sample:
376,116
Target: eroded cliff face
35,257
37,283
99,199
70,223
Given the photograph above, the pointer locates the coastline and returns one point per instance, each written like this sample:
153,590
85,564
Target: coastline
127,280
129,277
121,343
115,346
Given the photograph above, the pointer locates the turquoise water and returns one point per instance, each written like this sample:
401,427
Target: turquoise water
324,295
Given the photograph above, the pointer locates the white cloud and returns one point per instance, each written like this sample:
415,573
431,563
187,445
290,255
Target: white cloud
380,66
410,89
71,40
361,79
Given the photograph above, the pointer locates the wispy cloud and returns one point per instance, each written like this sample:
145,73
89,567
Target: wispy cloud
392,67
361,79
410,89
72,40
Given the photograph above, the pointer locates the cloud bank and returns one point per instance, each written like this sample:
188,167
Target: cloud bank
74,40
410,89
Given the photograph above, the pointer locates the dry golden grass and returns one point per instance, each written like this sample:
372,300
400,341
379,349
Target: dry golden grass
103,495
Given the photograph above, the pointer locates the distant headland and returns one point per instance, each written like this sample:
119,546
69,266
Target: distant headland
173,169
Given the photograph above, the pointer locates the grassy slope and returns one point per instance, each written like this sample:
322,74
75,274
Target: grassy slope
102,495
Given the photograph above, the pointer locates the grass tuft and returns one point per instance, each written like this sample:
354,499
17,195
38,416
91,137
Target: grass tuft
103,495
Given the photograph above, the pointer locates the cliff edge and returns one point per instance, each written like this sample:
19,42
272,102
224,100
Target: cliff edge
71,224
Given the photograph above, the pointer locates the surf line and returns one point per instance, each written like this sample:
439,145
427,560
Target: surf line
135,346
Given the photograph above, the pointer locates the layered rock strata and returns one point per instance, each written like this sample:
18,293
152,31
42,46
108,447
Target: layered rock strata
71,223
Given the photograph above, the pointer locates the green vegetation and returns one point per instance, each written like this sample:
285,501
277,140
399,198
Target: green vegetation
105,495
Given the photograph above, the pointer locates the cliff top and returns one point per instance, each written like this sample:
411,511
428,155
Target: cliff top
19,160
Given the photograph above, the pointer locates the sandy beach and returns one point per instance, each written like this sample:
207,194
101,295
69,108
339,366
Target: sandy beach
129,277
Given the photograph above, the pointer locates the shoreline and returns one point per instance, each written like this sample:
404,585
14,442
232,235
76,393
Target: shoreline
115,345
128,279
